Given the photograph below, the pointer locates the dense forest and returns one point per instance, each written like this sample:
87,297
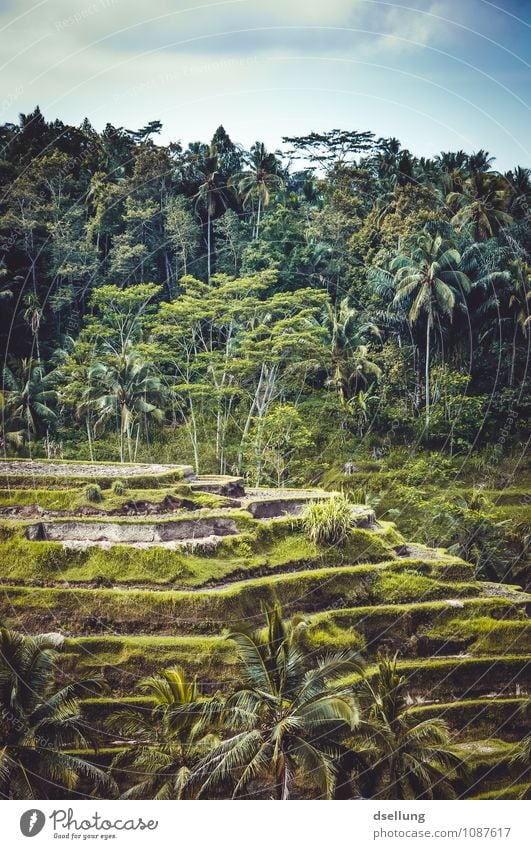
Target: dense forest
243,312
342,314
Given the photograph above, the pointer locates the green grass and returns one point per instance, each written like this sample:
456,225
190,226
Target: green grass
25,481
477,718
124,661
484,635
399,622
264,547
513,791
394,588
76,609
461,677
72,498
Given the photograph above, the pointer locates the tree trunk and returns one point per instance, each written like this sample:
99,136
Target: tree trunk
89,437
285,782
209,269
193,435
513,357
137,441
257,228
427,372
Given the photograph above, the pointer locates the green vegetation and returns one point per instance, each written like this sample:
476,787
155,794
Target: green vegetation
219,306
93,493
272,549
359,325
401,758
328,522
37,722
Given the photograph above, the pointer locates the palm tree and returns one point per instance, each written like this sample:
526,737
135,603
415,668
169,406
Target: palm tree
32,316
481,205
429,274
519,182
520,306
28,397
285,716
9,434
348,334
38,722
522,759
210,194
165,743
259,180
400,758
124,387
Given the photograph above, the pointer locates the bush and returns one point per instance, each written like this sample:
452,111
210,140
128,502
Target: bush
93,493
118,487
328,522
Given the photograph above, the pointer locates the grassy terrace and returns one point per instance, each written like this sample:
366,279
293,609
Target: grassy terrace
173,611
260,547
127,612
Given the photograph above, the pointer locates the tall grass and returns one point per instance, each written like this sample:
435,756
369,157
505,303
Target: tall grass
328,522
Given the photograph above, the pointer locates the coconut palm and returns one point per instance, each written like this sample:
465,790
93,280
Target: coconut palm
481,205
28,398
287,715
352,364
210,194
10,433
398,757
38,722
429,280
519,182
262,177
125,388
519,306
165,743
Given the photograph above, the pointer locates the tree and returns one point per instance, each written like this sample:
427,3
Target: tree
400,758
125,389
263,176
164,744
210,195
182,233
330,148
119,315
481,205
429,281
28,397
352,367
519,306
286,717
275,442
38,722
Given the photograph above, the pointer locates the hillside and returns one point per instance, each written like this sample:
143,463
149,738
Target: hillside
157,572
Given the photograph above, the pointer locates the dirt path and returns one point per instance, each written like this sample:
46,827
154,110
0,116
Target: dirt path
85,470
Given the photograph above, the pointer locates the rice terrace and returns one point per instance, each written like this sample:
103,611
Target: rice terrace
146,584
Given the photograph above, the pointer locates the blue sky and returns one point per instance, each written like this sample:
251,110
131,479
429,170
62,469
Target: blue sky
438,75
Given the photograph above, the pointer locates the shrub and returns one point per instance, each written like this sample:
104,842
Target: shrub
93,493
118,487
328,522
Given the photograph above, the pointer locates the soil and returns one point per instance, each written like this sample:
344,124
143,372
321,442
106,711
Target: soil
86,470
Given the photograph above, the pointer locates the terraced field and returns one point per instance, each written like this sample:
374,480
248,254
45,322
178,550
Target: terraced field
158,574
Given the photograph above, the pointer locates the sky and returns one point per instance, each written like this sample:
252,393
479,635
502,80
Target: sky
439,75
